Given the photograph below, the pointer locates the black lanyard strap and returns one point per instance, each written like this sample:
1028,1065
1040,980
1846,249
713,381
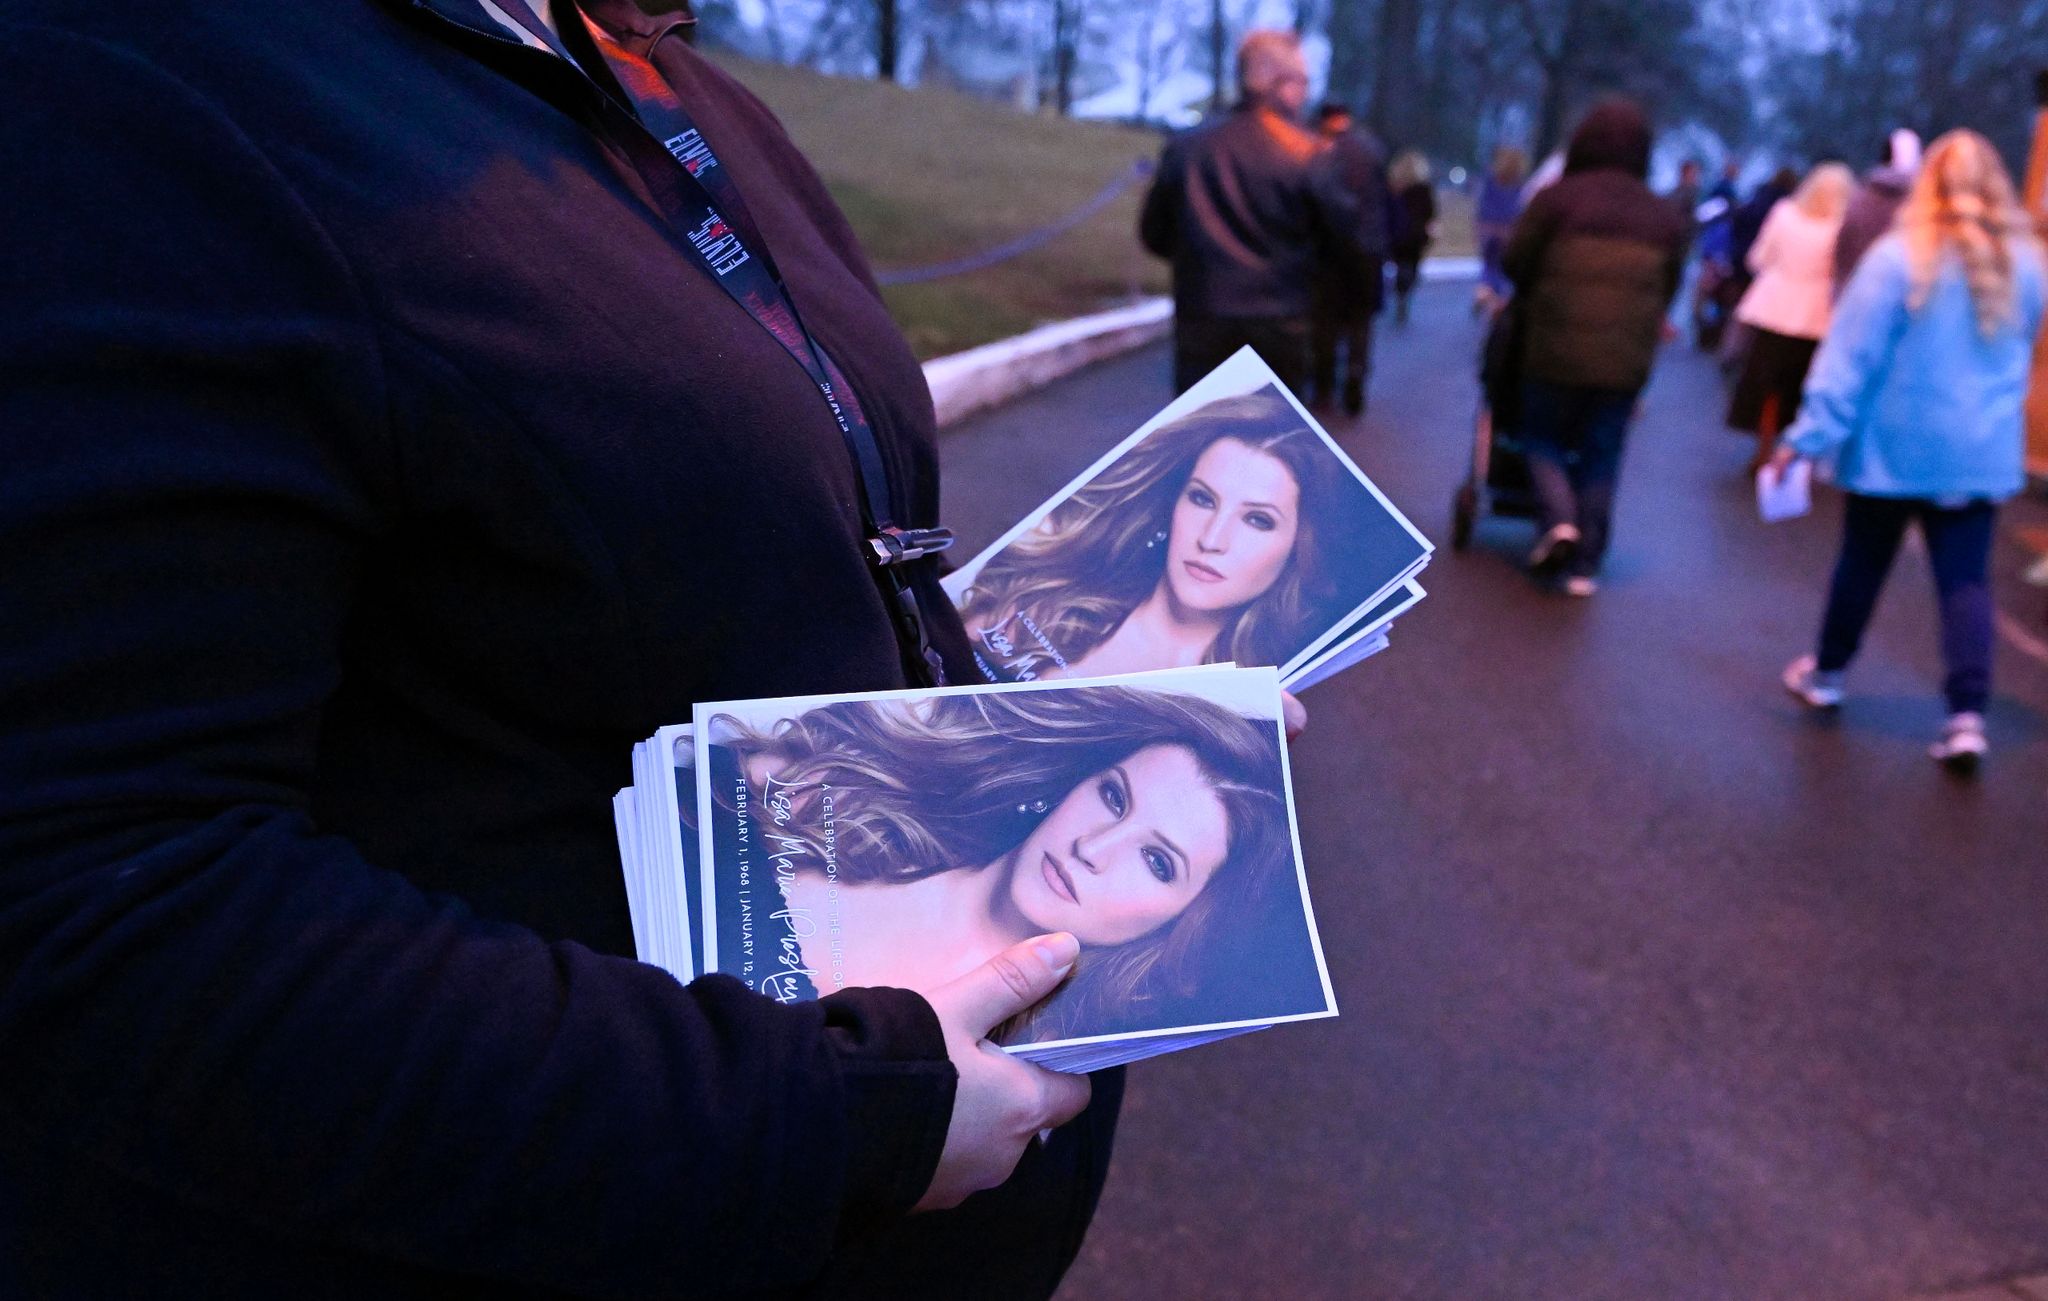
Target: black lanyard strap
702,202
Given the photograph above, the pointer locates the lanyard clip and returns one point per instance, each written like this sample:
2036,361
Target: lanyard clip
894,546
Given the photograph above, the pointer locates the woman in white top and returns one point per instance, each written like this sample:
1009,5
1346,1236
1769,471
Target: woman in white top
1787,304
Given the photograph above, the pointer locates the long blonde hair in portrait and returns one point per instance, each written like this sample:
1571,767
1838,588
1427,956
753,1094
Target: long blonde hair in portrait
1963,202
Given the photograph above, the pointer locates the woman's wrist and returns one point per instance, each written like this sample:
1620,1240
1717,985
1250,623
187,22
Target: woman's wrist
898,1082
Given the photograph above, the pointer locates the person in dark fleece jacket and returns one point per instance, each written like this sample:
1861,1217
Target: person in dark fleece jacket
380,466
1595,259
1876,202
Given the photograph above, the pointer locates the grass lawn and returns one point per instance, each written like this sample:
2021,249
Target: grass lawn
927,176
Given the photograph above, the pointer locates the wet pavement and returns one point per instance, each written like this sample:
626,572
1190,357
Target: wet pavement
1651,986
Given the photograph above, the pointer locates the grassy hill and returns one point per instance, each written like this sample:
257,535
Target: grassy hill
930,175
927,176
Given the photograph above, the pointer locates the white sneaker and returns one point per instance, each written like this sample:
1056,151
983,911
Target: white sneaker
1962,744
1817,690
1554,550
1581,585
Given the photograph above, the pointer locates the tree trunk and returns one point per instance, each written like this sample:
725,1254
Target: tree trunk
1551,110
1351,62
1148,60
1448,125
1396,88
1219,42
886,39
773,22
1066,41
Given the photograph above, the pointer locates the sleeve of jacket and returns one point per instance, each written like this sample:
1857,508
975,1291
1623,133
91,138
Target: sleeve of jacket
1373,235
1852,358
1847,241
1340,221
1522,258
1677,252
2032,280
1159,219
1765,250
200,992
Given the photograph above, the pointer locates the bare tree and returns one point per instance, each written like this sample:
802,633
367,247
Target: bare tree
887,38
1927,64
1397,106
1068,19
1219,43
1148,53
1351,26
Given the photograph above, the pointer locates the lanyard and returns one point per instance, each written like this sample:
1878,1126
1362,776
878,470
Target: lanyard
703,203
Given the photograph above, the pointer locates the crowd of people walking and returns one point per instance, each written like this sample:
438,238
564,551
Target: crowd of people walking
1881,327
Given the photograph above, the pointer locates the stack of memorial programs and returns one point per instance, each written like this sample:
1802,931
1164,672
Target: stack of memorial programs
903,838
1230,528
1122,775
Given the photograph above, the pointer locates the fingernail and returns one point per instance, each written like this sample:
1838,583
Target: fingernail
1057,952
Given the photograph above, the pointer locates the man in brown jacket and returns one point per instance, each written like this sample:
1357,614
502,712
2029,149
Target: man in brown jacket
1595,259
1246,215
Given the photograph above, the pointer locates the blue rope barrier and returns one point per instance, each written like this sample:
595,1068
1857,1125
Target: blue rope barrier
1025,242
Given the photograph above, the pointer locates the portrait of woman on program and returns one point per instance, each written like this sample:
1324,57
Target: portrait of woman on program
1235,532
904,842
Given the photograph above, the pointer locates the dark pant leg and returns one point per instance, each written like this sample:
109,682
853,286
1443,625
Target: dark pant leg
1282,342
1549,440
1326,330
1871,529
1200,345
1407,271
1357,357
1603,416
1959,546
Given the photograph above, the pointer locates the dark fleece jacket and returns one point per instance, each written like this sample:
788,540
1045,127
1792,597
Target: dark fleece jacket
379,467
1596,258
1870,214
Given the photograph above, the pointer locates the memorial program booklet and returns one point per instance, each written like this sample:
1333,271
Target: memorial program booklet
903,838
1229,528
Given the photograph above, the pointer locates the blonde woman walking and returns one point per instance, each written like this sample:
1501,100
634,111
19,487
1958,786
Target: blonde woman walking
1414,216
1917,394
1786,306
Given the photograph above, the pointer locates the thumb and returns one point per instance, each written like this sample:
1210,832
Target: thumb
1293,715
1011,981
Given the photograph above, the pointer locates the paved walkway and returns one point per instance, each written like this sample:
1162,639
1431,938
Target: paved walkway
2017,1289
1652,987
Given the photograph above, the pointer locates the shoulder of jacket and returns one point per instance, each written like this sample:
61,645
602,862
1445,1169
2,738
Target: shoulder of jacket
174,35
727,84
1887,253
1298,137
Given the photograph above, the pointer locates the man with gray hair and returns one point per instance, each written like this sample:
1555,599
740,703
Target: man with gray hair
1244,206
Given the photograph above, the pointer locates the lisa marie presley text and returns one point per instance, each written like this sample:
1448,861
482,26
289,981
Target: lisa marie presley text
790,976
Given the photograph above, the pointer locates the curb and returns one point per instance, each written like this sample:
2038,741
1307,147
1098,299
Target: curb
971,381
979,378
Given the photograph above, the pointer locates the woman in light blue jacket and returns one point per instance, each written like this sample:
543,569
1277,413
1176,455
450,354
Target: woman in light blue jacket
1916,396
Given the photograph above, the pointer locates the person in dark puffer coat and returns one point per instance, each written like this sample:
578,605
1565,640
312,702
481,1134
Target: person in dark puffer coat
1595,260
